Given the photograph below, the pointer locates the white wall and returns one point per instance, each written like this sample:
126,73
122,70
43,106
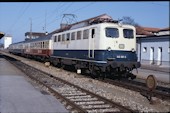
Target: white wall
7,41
155,42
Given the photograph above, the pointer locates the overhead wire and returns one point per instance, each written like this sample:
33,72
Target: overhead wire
59,13
60,16
35,18
83,7
159,4
52,13
13,25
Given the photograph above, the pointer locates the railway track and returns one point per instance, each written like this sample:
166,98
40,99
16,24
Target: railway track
159,92
76,98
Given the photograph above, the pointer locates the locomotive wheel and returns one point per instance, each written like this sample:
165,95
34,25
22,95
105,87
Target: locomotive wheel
103,75
59,65
93,74
130,75
62,65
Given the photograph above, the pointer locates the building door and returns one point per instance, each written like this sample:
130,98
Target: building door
159,62
152,55
91,43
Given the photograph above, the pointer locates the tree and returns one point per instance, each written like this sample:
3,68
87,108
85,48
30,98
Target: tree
130,21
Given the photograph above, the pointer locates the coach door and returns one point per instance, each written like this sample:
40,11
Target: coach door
91,43
159,56
151,55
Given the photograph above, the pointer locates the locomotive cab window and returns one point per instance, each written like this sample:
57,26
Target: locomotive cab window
112,32
85,34
78,35
63,37
128,33
68,37
55,38
73,36
59,38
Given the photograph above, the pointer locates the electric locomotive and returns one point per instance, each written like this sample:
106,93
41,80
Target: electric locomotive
102,48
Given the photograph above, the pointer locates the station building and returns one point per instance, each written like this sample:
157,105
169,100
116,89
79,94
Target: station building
153,46
7,41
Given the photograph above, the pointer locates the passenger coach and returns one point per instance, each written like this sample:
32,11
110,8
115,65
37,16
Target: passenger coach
39,48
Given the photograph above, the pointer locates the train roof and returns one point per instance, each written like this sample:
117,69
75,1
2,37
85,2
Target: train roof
47,37
95,20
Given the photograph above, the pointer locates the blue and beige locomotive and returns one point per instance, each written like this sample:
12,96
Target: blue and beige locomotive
102,48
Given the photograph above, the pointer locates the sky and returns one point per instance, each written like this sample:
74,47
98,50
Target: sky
16,17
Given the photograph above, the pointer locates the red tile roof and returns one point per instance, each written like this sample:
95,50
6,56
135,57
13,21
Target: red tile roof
165,29
145,31
148,31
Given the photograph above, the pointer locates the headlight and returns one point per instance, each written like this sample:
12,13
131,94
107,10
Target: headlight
133,50
109,49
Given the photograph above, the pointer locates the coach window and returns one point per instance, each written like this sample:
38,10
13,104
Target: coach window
39,44
112,32
85,34
68,37
73,36
63,37
128,33
47,44
59,38
33,45
43,45
78,35
36,45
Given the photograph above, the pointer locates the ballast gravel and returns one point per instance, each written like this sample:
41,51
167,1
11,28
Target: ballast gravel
132,99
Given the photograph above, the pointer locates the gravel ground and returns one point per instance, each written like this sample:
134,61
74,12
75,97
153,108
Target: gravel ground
123,96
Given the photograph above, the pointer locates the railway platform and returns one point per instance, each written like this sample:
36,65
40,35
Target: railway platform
160,76
156,68
18,95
